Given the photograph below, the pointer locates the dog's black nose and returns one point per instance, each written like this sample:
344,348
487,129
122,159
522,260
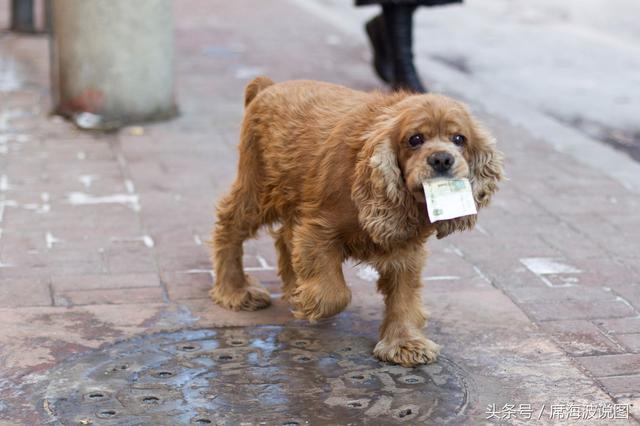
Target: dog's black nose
441,161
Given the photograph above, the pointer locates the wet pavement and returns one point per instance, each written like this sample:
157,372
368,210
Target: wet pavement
104,258
254,375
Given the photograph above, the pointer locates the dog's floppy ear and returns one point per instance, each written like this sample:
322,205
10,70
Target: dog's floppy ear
485,165
485,171
386,210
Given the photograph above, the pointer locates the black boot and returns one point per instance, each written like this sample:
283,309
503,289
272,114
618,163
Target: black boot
379,43
398,21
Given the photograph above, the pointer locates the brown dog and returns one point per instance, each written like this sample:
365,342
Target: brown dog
341,171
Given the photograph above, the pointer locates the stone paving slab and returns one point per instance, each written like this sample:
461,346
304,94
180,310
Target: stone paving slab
104,237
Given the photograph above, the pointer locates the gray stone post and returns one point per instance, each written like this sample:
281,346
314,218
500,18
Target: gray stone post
112,61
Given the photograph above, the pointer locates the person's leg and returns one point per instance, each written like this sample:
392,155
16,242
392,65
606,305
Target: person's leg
380,45
398,21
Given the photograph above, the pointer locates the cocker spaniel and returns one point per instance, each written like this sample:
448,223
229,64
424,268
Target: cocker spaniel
341,172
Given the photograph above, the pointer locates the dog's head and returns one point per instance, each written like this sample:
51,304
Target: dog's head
418,138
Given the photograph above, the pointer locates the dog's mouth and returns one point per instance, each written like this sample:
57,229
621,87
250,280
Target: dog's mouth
418,191
418,194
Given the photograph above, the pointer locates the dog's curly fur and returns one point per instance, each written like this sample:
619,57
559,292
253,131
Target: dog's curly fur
334,168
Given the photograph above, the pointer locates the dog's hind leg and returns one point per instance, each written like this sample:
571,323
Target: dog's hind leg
238,218
283,237
234,289
321,290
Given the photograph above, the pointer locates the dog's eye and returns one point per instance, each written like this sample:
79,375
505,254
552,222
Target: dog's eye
458,139
416,140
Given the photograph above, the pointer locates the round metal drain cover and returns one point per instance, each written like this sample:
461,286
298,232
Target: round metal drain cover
249,375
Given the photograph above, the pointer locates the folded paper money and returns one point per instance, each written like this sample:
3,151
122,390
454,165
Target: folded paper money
448,198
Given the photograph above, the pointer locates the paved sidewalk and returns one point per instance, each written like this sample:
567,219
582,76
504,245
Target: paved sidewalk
103,237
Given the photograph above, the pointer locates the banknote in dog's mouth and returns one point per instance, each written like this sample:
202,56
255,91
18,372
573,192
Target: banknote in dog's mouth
448,198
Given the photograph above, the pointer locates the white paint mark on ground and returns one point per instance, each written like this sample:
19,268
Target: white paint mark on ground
546,266
81,155
197,240
367,273
570,280
51,240
626,302
87,180
548,283
542,266
263,263
258,268
128,184
145,239
45,207
442,278
38,208
81,198
199,271
148,241
6,203
243,73
4,183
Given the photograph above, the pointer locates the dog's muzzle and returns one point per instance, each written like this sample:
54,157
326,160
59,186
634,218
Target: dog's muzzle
441,162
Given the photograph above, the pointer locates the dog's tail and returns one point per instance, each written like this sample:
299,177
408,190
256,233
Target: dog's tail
257,85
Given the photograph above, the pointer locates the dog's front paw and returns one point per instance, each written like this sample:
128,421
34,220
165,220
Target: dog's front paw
248,298
316,300
407,352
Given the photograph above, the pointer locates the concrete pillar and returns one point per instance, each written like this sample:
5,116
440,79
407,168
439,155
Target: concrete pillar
112,61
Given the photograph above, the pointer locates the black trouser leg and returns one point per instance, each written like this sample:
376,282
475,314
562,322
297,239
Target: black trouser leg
398,21
380,45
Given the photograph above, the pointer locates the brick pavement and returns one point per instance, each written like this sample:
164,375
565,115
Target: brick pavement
103,237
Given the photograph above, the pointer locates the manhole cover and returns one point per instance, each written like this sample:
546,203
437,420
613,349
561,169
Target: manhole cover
251,375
